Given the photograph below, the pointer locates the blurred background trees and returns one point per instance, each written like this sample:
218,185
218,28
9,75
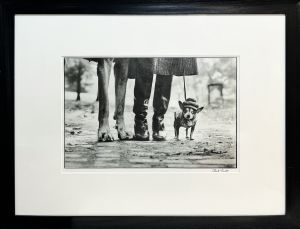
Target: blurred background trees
78,75
211,71
220,74
215,84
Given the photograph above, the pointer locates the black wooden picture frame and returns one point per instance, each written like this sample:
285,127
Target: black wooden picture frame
8,8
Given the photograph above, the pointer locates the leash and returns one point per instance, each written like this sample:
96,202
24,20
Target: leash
184,88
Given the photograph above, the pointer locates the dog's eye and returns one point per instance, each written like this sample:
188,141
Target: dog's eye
192,111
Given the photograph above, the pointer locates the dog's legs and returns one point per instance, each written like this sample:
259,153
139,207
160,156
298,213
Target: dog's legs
103,71
192,131
187,133
121,71
177,133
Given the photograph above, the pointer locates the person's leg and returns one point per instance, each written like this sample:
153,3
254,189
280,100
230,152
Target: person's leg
142,91
161,100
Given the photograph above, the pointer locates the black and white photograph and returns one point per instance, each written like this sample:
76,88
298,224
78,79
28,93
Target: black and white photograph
160,112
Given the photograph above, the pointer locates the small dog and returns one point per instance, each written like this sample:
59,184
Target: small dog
187,117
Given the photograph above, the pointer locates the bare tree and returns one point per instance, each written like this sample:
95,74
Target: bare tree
81,69
75,70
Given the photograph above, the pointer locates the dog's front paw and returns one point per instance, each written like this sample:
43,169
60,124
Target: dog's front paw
104,135
125,135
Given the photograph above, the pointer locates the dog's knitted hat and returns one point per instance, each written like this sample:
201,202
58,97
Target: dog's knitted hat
191,103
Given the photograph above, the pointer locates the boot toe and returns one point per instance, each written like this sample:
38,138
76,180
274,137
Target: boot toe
159,136
142,136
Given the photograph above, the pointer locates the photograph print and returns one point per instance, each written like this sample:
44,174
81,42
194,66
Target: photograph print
160,112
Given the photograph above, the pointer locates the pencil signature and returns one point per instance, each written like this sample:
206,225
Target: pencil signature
220,170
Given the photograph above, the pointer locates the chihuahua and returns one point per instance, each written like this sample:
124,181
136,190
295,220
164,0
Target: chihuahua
187,117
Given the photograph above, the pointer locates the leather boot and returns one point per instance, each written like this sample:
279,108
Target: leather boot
158,129
142,91
160,105
141,132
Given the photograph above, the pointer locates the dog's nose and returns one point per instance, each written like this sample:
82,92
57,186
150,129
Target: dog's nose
187,116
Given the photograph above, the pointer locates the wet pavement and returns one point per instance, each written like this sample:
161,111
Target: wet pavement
214,145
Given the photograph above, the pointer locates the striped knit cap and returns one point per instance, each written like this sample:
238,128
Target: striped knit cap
191,103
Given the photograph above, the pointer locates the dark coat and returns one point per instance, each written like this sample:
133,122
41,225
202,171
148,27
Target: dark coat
162,66
176,66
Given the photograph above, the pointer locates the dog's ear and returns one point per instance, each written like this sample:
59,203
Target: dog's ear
180,105
199,109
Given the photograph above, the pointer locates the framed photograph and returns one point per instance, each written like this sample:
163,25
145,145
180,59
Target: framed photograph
149,110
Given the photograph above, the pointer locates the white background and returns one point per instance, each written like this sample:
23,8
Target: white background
43,188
